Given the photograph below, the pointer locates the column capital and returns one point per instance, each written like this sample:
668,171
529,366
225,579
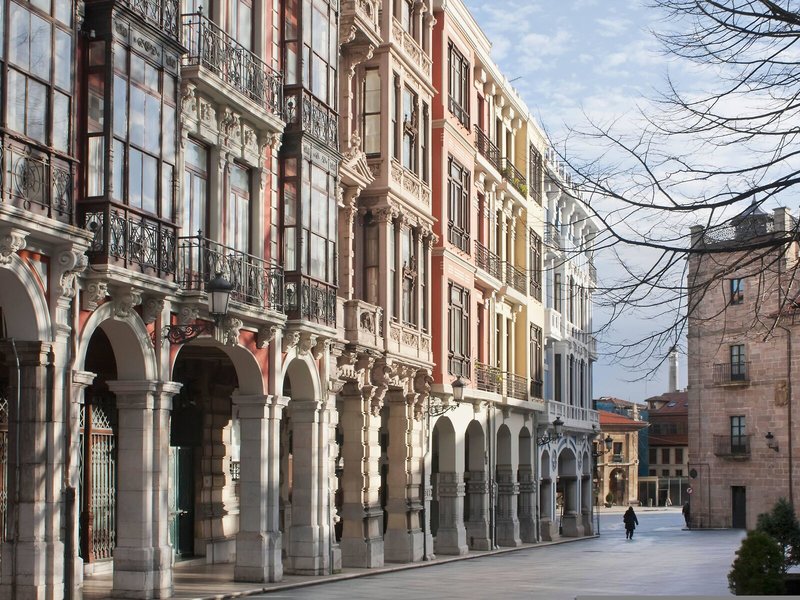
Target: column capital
136,393
166,390
82,379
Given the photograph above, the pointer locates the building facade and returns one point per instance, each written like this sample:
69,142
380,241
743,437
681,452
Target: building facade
668,450
742,359
375,195
618,467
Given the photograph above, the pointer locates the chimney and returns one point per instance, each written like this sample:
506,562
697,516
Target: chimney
673,369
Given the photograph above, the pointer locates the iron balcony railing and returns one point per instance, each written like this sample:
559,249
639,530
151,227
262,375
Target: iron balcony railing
537,388
552,237
732,445
307,299
536,286
488,379
516,386
488,261
458,237
162,14
129,238
210,47
515,278
736,372
36,181
255,281
514,177
487,148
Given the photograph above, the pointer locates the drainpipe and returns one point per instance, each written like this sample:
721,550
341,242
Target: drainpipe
789,409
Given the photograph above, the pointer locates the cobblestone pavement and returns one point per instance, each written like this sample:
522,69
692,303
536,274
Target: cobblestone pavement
662,559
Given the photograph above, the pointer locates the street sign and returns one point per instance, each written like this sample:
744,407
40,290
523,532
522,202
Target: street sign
689,490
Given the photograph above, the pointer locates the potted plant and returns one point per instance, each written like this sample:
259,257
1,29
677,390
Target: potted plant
609,499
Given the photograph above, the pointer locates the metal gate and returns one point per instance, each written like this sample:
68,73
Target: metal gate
98,476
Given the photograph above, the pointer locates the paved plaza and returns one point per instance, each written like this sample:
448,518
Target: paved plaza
662,559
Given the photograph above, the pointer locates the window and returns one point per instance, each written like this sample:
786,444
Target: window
240,19
678,472
144,105
237,209
458,84
320,49
537,361
458,335
536,174
458,201
738,364
423,279
407,16
195,189
535,266
665,472
653,456
424,144
372,112
371,261
557,292
410,129
651,472
678,456
408,258
737,291
738,437
393,303
557,387
39,76
665,456
617,450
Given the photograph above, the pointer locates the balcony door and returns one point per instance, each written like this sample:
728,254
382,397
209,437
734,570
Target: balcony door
240,20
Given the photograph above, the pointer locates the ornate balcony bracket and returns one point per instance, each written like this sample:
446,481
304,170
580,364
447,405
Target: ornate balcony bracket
180,334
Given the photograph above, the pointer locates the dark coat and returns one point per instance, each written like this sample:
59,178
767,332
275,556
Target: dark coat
630,519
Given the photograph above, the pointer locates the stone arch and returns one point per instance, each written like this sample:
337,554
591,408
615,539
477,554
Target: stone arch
27,316
447,506
302,375
476,482
248,370
504,445
525,448
475,444
526,505
126,334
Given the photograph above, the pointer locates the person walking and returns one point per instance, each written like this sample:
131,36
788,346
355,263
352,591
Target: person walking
685,512
631,522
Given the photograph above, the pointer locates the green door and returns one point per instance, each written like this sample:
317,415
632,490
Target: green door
183,501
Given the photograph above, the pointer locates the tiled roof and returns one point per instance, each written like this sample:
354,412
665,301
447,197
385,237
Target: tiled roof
669,403
611,420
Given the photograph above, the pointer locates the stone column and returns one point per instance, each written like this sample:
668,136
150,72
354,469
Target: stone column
324,475
586,505
547,524
258,542
570,522
507,493
362,536
305,557
403,541
451,536
479,537
138,568
33,556
527,505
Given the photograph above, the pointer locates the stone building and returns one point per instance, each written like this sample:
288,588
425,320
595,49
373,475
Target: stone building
742,359
369,193
618,468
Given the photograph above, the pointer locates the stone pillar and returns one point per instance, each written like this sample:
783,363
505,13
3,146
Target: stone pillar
547,524
526,505
305,557
586,505
33,556
451,537
139,567
362,536
403,541
479,537
507,493
258,542
324,476
571,525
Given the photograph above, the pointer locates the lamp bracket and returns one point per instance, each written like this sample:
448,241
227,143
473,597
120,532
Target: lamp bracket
180,334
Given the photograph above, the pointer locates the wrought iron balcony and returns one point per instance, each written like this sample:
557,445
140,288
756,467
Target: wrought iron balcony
458,237
36,181
488,261
303,111
213,49
255,281
128,238
514,177
732,446
161,14
487,148
516,386
310,300
515,278
535,287
537,389
732,373
488,379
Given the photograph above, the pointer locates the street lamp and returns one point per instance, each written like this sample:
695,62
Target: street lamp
557,432
771,443
437,408
219,296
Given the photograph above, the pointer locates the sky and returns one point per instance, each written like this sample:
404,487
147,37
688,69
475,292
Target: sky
573,59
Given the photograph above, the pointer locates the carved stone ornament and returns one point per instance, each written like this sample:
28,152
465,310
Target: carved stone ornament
319,348
290,340
187,314
422,386
272,141
152,308
266,333
227,331
11,240
125,298
335,385
94,294
380,377
70,263
307,342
